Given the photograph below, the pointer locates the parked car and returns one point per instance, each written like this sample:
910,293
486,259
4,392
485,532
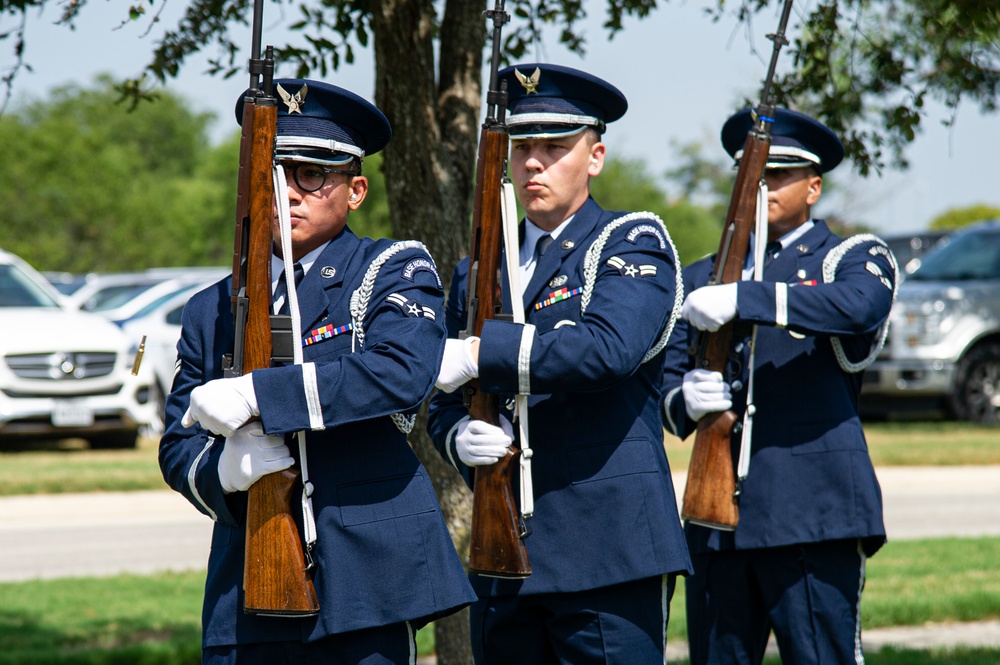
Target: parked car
65,283
943,348
102,288
64,373
119,296
160,323
910,248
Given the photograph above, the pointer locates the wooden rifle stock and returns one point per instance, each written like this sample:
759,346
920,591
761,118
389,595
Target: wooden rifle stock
712,489
709,496
496,547
276,580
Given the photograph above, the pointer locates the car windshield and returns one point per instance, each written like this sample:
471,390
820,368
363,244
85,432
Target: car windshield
156,304
112,297
968,256
17,289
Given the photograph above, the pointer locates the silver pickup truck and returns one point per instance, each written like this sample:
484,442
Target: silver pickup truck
943,350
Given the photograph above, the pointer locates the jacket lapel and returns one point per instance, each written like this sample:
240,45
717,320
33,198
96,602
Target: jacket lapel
569,242
322,287
787,267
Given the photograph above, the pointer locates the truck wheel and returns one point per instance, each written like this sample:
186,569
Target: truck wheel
977,391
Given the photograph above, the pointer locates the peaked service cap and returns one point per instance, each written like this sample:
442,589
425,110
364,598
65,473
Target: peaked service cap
323,123
796,140
547,101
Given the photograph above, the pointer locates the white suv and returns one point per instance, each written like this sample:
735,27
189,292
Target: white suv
63,373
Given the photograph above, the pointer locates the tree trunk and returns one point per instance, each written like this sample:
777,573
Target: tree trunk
429,173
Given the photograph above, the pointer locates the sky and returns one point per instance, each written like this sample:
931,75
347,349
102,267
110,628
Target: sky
682,74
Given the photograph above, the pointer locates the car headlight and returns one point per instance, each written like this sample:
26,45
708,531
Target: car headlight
929,322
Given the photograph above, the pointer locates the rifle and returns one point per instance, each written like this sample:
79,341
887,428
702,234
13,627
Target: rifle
276,579
496,547
710,497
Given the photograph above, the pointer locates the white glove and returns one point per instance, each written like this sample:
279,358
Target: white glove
709,307
457,365
705,392
222,405
249,454
479,443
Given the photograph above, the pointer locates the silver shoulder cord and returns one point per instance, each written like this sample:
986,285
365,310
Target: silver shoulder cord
830,264
592,263
285,229
508,210
760,245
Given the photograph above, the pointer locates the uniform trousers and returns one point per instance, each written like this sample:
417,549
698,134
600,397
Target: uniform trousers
623,624
394,644
808,594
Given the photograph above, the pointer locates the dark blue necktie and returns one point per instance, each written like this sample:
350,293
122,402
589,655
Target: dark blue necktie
282,289
771,251
542,245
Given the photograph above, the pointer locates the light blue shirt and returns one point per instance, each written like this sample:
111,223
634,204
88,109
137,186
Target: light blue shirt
532,234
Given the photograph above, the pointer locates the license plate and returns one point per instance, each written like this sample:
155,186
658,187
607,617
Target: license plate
67,413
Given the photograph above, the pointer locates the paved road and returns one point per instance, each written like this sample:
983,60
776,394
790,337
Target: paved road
100,534
105,533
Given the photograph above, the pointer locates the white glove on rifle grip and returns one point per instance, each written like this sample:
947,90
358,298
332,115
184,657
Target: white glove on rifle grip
710,307
478,443
249,454
222,405
705,392
457,365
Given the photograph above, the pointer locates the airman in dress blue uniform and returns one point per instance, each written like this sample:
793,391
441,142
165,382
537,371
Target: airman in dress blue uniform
372,333
810,508
605,542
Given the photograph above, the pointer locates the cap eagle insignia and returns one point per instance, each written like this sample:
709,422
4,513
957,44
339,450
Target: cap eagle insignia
296,101
530,84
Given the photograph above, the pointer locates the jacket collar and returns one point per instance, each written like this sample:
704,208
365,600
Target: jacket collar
786,265
570,240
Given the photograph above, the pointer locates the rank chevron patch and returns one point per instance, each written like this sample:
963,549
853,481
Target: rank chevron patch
411,307
631,269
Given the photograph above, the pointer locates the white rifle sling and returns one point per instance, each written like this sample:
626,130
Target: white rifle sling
285,230
508,213
760,243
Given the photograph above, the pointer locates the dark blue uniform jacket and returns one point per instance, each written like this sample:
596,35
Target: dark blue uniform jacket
383,552
810,478
605,510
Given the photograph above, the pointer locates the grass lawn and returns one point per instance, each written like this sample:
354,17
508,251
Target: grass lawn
69,466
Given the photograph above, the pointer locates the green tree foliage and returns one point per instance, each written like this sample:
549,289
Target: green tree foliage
868,67
372,218
90,186
958,217
627,185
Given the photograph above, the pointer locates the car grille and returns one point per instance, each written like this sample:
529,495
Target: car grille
25,394
61,366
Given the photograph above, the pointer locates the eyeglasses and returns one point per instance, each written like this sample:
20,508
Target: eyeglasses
312,177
